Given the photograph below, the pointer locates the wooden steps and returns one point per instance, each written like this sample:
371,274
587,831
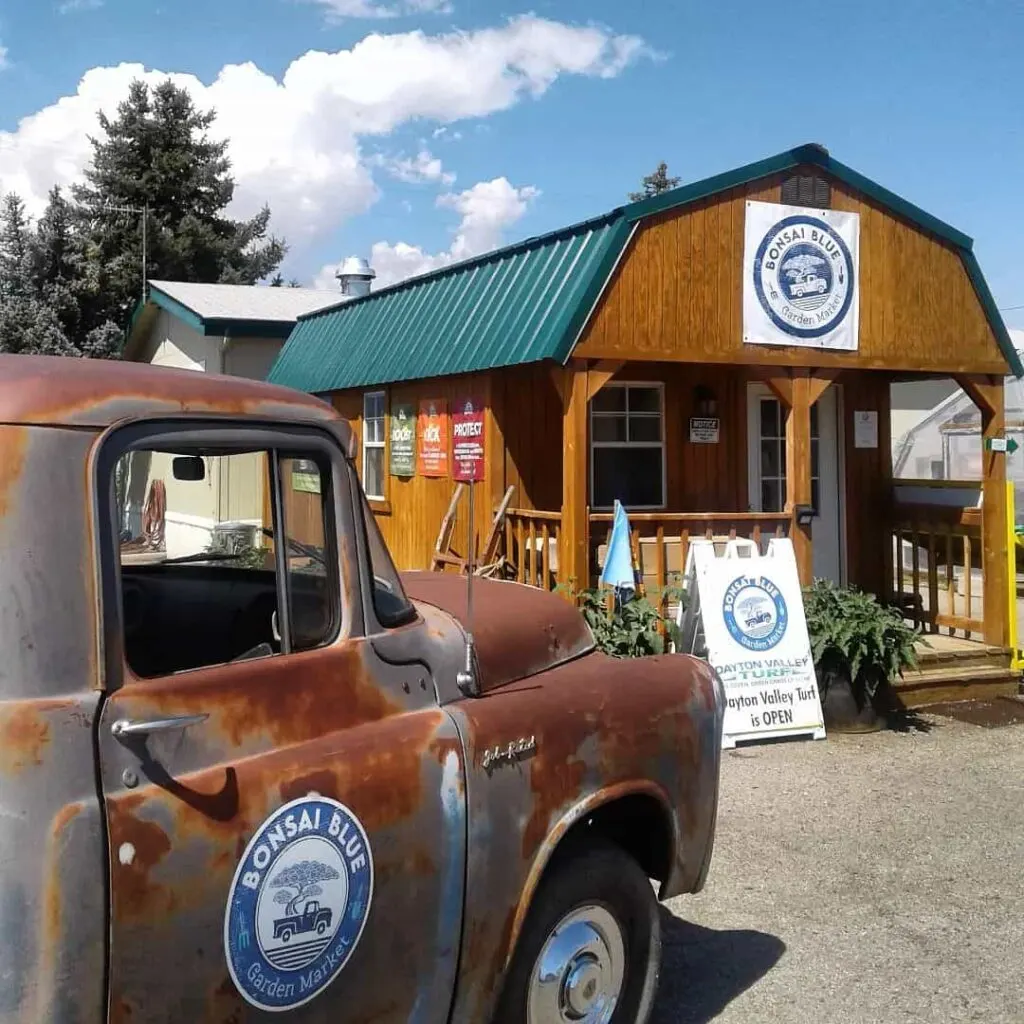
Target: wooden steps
951,669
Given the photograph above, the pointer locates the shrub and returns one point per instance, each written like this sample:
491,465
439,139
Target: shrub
630,629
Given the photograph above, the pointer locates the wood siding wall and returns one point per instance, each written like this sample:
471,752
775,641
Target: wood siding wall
524,448
678,294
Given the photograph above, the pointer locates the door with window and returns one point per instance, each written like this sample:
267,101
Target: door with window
267,780
766,449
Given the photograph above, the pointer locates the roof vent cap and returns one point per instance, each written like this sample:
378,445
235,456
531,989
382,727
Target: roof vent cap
355,276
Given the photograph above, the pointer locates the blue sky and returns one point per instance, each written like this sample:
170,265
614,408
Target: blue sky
924,96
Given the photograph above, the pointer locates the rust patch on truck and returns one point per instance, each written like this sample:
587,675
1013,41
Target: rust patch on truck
13,443
136,847
24,734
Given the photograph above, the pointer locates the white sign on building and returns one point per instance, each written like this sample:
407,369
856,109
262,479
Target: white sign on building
745,611
801,277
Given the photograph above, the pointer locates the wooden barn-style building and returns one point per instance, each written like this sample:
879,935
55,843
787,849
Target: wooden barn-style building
657,355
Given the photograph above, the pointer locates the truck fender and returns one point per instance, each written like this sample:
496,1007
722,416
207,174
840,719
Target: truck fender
558,836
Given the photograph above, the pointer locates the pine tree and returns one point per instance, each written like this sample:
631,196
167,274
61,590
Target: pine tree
655,183
15,250
157,156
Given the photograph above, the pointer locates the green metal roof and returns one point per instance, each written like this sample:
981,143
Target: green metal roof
515,305
530,301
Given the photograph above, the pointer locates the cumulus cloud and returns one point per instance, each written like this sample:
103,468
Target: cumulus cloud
3,56
485,211
423,167
297,142
338,10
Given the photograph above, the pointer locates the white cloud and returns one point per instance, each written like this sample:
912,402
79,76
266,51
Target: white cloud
337,10
423,167
297,142
3,56
486,211
73,6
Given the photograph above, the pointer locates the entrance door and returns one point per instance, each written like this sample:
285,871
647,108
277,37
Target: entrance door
766,460
285,810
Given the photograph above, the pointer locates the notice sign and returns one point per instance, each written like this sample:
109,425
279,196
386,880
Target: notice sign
865,429
468,441
756,634
801,272
403,440
704,430
432,438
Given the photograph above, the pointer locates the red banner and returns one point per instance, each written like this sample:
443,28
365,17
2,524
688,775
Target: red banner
468,440
432,438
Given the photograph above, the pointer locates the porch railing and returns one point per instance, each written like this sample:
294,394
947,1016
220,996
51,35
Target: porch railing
661,540
937,566
531,545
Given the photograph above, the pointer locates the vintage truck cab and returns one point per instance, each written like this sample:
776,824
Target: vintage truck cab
240,772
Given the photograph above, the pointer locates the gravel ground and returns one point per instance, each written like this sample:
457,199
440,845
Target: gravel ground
859,879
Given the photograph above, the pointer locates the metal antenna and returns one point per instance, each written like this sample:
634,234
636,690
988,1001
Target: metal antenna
466,680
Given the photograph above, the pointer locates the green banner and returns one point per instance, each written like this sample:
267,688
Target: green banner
403,440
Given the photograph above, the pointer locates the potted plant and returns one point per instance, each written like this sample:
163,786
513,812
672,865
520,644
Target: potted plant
860,647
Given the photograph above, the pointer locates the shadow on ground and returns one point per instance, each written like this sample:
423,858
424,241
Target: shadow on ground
704,970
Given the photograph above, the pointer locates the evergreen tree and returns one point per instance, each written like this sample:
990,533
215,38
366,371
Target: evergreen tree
15,250
157,156
655,183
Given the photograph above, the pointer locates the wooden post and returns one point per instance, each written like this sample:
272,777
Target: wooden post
573,556
987,393
798,471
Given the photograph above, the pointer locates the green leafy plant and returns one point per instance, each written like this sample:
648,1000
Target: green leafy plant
628,629
852,632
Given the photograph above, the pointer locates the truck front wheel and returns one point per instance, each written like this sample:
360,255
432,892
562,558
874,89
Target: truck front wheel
590,950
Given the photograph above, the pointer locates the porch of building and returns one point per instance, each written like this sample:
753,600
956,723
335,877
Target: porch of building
751,453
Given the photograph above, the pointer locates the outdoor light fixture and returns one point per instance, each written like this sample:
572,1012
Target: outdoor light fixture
804,514
704,402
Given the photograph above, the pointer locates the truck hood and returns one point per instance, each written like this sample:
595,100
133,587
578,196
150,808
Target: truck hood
518,630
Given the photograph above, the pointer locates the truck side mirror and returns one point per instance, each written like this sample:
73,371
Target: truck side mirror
189,467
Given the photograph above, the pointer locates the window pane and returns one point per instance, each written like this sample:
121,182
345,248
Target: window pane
373,472
771,500
610,399
770,418
374,431
633,475
311,584
389,599
645,428
373,404
609,428
771,461
645,400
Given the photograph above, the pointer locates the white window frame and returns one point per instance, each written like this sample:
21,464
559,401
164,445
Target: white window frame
376,445
625,385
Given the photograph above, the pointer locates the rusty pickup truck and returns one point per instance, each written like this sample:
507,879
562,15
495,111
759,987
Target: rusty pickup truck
223,708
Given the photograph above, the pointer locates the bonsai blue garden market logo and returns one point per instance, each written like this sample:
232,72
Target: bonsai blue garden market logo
804,276
755,613
298,903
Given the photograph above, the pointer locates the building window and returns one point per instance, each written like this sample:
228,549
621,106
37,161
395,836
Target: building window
627,446
373,444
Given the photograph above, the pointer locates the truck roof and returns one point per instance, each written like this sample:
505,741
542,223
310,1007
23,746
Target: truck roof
62,391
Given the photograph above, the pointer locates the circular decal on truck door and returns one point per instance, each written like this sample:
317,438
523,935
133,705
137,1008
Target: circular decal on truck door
298,903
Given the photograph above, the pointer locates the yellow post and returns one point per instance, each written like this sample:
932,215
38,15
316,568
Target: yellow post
1011,574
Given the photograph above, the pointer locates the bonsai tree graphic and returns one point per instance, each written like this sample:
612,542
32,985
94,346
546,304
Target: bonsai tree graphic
798,267
299,882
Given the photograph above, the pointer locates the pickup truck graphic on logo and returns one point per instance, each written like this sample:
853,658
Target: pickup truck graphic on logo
809,285
313,919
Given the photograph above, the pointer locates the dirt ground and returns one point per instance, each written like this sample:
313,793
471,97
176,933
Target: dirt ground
860,879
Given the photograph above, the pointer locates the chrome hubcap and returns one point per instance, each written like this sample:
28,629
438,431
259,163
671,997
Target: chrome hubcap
578,975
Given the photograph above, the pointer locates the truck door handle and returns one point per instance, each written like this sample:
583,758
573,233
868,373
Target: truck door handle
122,728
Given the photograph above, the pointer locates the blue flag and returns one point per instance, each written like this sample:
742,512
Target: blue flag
618,563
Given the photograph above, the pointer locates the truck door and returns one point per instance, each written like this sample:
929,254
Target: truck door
285,811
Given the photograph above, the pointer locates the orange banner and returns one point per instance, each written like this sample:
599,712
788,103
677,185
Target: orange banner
432,437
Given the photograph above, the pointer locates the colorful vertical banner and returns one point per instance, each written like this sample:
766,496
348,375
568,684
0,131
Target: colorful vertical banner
403,439
468,440
432,438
